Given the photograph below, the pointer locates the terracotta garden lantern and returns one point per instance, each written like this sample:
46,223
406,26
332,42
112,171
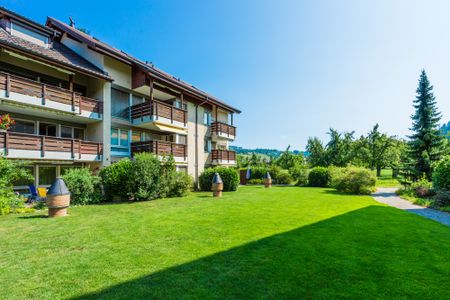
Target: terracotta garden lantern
217,185
58,199
267,180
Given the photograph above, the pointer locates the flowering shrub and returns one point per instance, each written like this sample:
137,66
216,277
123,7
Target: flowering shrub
6,121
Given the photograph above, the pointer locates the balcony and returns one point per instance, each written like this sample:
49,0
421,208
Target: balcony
223,157
221,130
40,147
28,94
158,115
161,148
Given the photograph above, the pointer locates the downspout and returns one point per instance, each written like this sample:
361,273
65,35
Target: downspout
196,140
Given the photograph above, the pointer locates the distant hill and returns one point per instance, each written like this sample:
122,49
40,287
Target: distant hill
445,129
269,152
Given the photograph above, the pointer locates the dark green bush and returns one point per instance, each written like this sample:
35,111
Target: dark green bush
319,177
83,186
146,177
283,177
352,180
229,177
181,185
441,175
116,179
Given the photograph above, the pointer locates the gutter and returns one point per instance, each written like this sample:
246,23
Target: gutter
196,141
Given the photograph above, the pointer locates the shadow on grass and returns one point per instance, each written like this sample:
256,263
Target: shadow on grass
33,217
370,251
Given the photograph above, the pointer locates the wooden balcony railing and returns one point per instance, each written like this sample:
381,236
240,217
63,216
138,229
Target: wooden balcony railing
223,128
31,142
223,155
160,109
21,85
160,148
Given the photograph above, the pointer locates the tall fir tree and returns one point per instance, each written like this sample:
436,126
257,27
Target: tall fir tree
426,143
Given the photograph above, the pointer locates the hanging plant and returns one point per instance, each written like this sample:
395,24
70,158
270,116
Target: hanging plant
6,121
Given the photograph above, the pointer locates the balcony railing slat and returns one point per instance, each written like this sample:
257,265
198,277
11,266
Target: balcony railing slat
158,109
220,127
25,86
159,148
24,141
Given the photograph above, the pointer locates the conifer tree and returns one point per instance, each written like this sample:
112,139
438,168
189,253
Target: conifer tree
426,142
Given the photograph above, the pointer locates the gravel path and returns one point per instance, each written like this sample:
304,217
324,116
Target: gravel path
388,196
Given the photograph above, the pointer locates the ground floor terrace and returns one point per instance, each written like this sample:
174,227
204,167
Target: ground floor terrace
278,243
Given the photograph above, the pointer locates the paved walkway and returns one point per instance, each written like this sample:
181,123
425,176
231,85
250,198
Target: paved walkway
388,196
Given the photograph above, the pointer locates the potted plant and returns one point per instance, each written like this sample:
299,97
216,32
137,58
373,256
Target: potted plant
5,122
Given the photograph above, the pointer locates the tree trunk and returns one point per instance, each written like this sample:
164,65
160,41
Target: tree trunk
378,171
394,173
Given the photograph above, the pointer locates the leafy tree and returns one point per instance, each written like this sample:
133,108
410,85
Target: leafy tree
339,150
289,160
377,150
426,143
317,152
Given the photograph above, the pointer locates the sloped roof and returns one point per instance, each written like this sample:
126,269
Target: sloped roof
58,53
105,48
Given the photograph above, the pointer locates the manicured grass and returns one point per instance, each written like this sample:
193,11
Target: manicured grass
386,180
279,243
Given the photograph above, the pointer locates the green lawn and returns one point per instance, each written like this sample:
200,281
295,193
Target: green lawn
279,243
386,180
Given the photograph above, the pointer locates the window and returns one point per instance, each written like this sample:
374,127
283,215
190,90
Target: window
182,139
177,104
47,174
72,132
78,133
207,145
66,132
207,118
136,136
23,127
120,102
120,140
182,169
47,129
29,34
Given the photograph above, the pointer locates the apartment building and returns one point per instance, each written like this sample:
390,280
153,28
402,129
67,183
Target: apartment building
78,101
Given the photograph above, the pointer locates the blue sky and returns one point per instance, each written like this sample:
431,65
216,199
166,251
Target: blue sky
295,68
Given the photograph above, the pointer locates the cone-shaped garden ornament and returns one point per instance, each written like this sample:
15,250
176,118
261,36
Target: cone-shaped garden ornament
267,180
217,185
58,198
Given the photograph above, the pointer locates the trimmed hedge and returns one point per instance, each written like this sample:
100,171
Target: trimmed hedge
319,177
352,180
229,177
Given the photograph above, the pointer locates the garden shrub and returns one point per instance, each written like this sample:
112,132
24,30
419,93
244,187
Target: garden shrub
318,177
255,181
83,186
283,177
300,175
116,179
422,188
442,198
10,172
353,180
441,175
229,177
146,177
181,185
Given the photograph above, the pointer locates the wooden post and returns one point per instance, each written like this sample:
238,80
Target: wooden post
6,143
98,150
79,149
72,148
8,84
43,94
171,148
43,146
232,115
182,107
171,115
73,102
156,146
151,98
71,82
